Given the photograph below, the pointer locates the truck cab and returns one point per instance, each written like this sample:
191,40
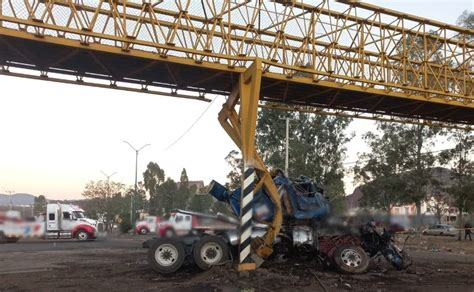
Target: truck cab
67,221
177,224
150,224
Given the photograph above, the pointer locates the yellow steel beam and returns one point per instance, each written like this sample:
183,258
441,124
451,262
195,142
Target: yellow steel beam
241,128
368,50
459,100
364,116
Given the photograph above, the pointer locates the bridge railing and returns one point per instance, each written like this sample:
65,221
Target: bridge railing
336,43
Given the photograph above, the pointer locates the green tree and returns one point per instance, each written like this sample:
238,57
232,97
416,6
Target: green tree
466,19
108,198
167,198
317,147
153,177
462,169
140,203
183,192
400,160
201,203
221,207
418,161
234,159
384,193
40,205
378,170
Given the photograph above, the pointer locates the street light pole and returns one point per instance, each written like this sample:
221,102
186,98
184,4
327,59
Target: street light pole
108,197
108,176
10,194
136,177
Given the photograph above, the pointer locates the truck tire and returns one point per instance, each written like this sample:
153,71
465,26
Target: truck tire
350,259
143,231
82,235
166,255
210,251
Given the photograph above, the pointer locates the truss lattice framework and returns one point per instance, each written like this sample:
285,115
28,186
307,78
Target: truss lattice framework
355,43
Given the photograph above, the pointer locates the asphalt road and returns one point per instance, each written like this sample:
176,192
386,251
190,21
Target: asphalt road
102,242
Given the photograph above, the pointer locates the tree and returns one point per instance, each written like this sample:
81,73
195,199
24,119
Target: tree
140,203
167,196
438,200
200,202
418,162
234,159
40,205
438,203
379,169
383,193
462,168
108,198
317,147
466,19
183,192
153,177
403,151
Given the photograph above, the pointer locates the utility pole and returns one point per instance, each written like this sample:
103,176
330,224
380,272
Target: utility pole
287,146
136,176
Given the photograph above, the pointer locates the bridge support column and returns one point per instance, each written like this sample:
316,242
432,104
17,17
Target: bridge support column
241,128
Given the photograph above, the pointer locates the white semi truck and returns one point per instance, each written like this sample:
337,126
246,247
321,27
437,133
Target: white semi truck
60,221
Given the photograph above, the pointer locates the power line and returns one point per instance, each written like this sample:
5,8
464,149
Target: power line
192,125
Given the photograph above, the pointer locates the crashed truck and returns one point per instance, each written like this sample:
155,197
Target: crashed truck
305,208
60,221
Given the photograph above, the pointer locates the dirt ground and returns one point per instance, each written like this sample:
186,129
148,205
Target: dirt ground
440,264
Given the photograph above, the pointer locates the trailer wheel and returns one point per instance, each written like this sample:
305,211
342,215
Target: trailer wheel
166,255
82,235
351,259
210,251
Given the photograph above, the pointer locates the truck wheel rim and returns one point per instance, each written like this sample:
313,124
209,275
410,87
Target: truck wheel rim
351,258
211,253
166,255
82,236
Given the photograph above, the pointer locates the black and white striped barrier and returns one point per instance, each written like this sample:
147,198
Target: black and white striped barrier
246,215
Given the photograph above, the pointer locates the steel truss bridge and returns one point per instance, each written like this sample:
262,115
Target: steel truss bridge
344,58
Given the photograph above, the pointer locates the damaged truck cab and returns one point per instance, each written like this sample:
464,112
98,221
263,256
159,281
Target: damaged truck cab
304,209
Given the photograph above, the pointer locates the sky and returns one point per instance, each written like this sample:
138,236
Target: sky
54,138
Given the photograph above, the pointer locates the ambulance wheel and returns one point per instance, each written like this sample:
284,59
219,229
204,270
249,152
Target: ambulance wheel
82,235
210,251
166,255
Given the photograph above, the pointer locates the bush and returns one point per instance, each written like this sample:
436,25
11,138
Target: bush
125,226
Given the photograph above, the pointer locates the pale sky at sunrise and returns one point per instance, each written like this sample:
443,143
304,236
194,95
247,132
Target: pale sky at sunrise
57,137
